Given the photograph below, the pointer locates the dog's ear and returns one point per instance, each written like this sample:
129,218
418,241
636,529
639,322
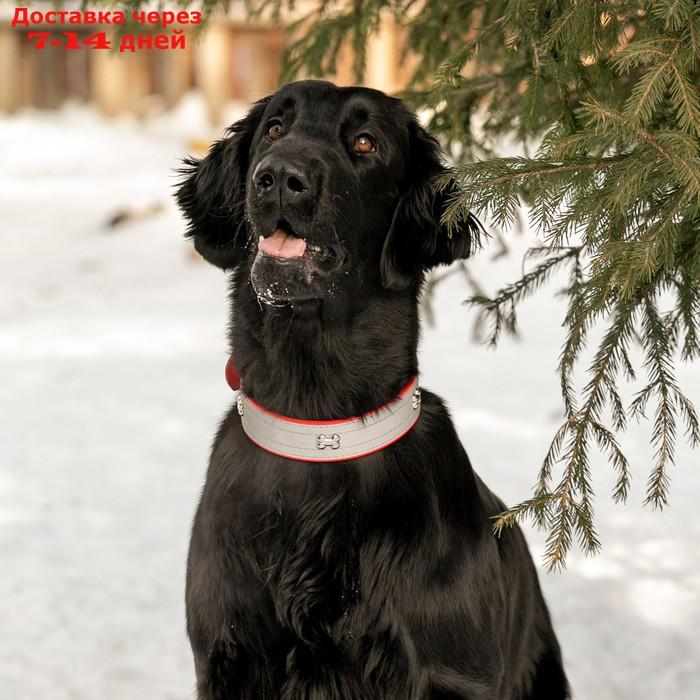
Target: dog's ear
417,240
212,195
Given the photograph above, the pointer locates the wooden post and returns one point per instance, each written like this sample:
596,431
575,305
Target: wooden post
120,82
256,59
9,69
172,73
50,89
212,68
387,69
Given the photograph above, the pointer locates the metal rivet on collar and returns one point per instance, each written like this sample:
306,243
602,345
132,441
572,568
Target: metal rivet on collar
416,399
332,441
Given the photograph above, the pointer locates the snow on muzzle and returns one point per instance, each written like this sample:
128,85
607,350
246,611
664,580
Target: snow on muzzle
287,268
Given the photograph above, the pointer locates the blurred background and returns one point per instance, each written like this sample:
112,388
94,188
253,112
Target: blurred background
112,351
234,59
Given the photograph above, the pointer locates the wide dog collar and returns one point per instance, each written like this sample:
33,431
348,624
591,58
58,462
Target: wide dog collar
331,440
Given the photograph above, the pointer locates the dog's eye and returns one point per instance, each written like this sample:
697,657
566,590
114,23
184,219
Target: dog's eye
274,130
364,143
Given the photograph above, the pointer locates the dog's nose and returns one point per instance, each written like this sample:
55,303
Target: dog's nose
278,178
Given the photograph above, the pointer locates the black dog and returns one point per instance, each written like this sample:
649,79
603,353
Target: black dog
373,578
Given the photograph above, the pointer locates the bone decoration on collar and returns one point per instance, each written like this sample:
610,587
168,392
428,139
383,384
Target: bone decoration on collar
332,440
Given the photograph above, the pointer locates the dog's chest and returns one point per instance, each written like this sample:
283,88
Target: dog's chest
336,552
333,585
307,549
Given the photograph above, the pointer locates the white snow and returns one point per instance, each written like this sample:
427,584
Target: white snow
112,352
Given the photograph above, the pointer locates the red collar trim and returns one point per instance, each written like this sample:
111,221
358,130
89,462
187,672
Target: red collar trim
233,379
334,421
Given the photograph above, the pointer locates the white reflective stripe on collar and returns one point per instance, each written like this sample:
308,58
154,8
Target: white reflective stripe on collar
331,441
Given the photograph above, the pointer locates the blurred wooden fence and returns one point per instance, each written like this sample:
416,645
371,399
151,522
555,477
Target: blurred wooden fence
231,59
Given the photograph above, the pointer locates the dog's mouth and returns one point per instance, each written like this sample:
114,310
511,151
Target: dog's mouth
282,243
288,267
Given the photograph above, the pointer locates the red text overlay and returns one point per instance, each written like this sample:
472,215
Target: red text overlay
72,40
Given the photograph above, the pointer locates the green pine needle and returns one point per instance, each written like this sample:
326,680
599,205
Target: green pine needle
611,92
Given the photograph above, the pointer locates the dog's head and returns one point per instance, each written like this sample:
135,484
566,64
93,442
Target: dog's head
323,190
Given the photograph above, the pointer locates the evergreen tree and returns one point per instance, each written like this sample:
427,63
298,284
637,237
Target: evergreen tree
608,90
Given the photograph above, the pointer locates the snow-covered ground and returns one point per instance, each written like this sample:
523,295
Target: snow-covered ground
111,358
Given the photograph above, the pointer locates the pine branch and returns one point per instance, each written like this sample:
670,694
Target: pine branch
610,91
649,91
662,383
500,310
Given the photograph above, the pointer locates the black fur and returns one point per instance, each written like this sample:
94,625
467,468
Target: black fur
376,578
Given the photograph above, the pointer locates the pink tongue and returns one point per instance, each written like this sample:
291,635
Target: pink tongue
282,245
